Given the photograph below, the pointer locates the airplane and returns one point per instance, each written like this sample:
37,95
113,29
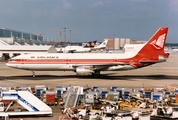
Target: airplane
90,44
85,64
72,49
101,46
87,48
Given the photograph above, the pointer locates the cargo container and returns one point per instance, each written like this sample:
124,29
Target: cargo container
176,90
126,94
121,91
50,97
103,94
38,92
113,88
148,94
157,96
39,89
177,98
85,90
94,88
58,93
112,96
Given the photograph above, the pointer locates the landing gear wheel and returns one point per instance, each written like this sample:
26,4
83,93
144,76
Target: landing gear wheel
33,73
97,74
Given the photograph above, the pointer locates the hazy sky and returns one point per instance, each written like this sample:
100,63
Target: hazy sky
91,19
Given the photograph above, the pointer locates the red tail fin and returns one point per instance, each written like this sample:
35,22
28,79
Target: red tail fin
154,48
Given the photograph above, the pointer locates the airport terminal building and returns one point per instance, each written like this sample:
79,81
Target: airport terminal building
18,37
13,43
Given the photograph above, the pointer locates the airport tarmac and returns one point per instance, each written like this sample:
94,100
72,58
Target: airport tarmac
158,75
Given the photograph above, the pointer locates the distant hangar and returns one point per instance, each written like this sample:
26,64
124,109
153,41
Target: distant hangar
14,43
14,50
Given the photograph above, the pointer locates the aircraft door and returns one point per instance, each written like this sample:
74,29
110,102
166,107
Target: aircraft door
19,63
67,61
22,61
115,60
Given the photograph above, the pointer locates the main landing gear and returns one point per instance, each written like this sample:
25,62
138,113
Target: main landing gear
97,74
33,73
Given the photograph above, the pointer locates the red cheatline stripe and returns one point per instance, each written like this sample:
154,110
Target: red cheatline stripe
69,61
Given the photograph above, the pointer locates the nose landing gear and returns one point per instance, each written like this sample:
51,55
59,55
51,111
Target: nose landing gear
33,73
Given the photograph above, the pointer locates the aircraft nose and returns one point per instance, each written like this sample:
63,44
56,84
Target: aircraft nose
7,64
10,65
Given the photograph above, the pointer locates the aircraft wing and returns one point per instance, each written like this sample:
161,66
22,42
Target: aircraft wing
111,64
100,66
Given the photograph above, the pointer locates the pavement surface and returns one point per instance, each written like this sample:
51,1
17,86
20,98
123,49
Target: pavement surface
156,76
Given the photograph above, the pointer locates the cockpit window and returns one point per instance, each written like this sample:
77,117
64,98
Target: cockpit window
12,59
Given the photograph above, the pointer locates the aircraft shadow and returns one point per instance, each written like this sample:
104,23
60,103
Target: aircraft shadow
102,77
132,77
38,77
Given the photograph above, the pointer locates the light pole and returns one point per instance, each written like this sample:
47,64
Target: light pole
65,33
114,41
70,36
60,35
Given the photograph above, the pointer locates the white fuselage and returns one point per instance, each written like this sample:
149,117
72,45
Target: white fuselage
71,60
68,49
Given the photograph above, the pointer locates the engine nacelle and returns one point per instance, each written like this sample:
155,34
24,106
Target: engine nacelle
84,71
120,67
161,58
